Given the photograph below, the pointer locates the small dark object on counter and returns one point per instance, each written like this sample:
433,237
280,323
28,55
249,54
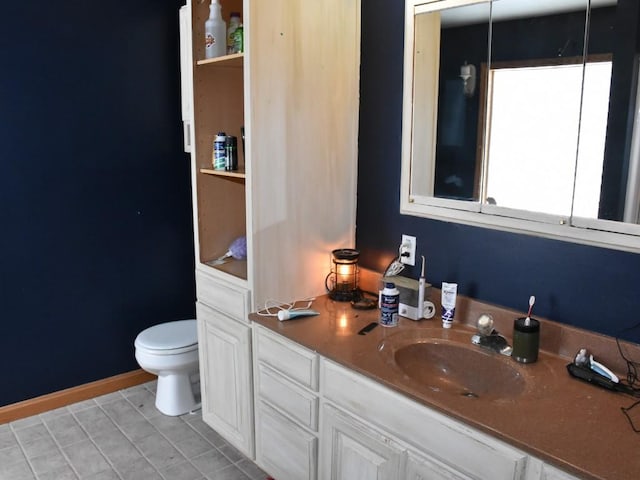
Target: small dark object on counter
368,328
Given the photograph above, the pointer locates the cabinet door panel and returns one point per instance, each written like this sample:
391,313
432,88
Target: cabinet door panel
186,75
304,139
225,376
420,467
552,473
350,450
463,448
284,449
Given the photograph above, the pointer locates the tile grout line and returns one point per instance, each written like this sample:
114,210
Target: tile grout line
188,424
107,459
131,441
117,425
69,462
24,452
183,420
187,460
113,467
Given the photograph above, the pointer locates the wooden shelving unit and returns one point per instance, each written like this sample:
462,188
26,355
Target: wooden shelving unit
218,97
295,93
281,92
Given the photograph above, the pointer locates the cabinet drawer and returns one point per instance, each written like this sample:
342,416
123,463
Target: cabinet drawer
231,300
289,398
284,449
468,451
290,359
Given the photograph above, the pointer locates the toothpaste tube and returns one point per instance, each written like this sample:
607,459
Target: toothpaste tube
449,293
291,313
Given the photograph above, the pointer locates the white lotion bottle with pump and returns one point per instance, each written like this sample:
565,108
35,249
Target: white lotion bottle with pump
215,31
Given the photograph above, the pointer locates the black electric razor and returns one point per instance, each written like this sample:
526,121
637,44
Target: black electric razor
593,377
581,369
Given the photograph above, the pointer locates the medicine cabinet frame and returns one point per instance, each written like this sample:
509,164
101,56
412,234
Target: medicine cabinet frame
596,232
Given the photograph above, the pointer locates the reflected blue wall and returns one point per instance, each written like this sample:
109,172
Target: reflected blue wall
579,285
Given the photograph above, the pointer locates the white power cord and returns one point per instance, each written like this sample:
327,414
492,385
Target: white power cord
272,307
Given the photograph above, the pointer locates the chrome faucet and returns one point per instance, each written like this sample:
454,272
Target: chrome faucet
489,338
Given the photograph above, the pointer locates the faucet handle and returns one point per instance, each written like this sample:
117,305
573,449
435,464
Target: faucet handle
485,324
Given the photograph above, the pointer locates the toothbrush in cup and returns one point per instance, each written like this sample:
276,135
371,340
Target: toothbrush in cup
532,300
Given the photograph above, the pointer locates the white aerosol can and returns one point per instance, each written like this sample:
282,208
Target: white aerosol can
389,304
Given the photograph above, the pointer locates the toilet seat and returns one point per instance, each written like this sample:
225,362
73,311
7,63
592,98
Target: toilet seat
169,338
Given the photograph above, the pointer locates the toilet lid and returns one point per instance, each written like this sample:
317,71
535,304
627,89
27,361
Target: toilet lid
169,336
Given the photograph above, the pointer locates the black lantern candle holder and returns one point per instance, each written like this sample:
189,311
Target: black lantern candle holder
342,281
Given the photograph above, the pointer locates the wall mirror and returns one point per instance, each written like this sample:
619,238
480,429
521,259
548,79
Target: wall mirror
521,115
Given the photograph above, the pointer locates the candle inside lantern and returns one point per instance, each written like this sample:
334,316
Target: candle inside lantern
345,273
342,282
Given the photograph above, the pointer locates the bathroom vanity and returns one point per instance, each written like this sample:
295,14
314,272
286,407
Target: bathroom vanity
332,404
309,398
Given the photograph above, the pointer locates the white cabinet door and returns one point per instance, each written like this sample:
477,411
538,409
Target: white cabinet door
421,467
225,376
552,473
351,450
186,75
438,436
284,449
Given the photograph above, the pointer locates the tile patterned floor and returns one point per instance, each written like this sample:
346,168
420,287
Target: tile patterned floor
119,436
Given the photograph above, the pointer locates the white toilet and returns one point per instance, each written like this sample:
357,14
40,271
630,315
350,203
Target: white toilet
170,351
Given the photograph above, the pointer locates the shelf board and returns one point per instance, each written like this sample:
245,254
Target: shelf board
224,173
234,60
237,268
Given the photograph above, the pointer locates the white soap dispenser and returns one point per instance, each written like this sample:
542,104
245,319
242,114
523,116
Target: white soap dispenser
215,31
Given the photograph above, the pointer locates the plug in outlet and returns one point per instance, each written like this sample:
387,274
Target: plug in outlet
408,250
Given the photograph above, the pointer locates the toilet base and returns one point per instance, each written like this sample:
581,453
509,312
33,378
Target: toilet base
174,394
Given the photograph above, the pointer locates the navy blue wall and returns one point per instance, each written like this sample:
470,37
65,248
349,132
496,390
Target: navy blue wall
95,212
579,285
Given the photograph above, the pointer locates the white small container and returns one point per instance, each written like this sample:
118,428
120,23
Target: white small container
449,294
219,160
389,305
215,32
234,23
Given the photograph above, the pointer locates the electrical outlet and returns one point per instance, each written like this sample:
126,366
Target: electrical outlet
408,250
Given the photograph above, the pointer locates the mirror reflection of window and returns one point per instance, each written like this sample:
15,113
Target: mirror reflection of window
532,122
448,180
593,131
